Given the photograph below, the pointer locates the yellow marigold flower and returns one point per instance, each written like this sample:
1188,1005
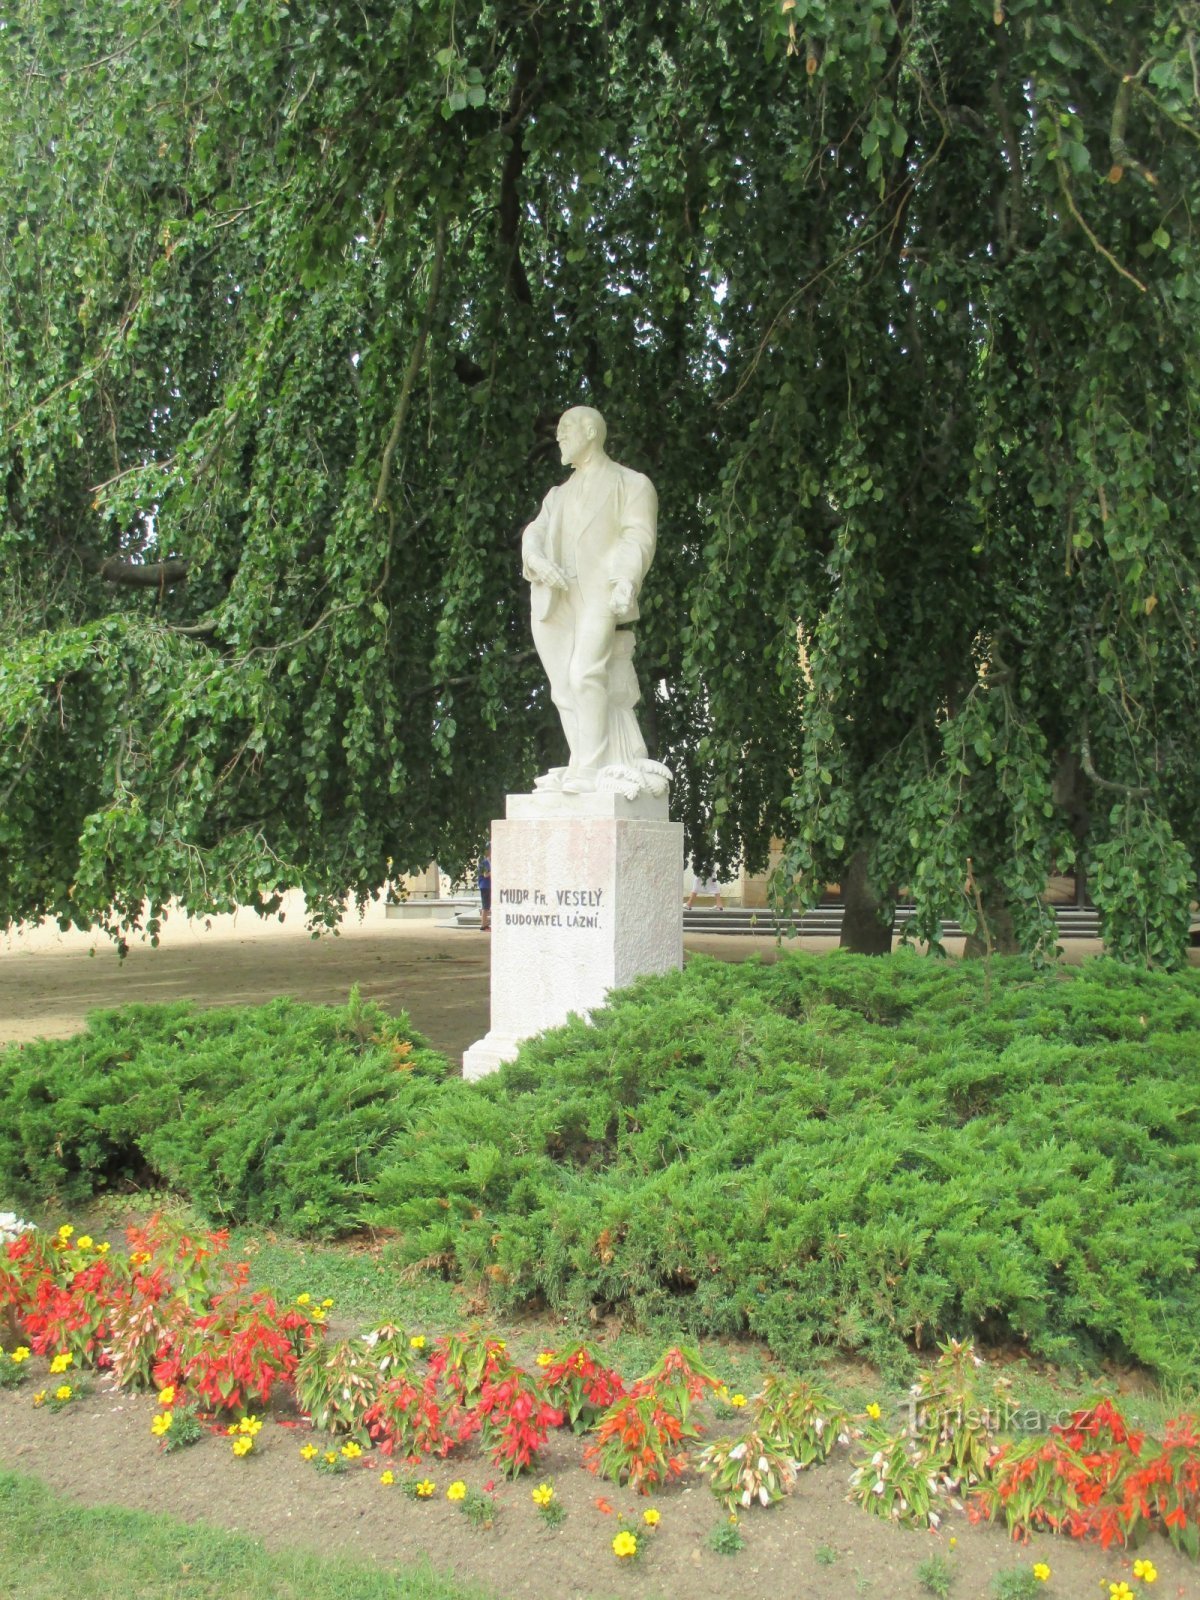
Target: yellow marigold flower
103,1247
65,1231
161,1424
387,1477
327,1305
545,1357
1041,1572
624,1545
417,1342
166,1397
317,1314
651,1517
21,1353
953,1542
242,1446
331,1456
62,1361
1145,1571
39,1398
874,1411
426,1488
63,1392
84,1242
737,1399
250,1425
542,1495
1120,1591
308,1451
303,1299
139,1258
352,1451
457,1490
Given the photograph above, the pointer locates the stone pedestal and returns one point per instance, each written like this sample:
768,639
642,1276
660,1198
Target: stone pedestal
585,898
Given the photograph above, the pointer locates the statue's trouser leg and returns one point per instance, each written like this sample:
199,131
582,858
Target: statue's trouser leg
555,642
588,688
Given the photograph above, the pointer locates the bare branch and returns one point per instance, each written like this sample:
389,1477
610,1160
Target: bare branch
1095,243
139,574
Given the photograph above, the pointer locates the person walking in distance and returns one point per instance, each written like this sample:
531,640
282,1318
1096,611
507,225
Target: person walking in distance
484,878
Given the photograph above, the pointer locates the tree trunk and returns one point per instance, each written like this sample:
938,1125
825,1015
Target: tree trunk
863,929
996,936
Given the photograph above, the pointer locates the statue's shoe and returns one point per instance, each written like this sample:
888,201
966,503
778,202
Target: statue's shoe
550,782
581,781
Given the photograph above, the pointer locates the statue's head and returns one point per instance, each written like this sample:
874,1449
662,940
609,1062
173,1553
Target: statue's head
581,434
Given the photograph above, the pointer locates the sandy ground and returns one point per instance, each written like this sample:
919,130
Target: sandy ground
49,981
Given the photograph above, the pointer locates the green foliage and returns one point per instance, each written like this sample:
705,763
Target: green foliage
550,1508
273,1115
726,1538
897,1480
896,304
336,1384
833,1153
951,1416
479,1509
1015,1583
12,1371
364,1283
825,1152
936,1576
751,1470
800,1419
186,1429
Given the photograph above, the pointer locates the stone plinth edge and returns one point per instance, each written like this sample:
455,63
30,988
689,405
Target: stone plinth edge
489,1053
545,805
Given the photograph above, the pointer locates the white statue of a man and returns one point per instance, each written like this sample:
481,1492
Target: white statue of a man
585,555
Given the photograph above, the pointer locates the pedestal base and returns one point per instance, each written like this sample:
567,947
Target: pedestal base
585,898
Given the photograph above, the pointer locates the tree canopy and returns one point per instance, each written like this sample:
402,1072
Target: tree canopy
897,303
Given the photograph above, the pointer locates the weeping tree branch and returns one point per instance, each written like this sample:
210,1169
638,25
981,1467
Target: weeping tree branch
1131,791
1119,150
410,377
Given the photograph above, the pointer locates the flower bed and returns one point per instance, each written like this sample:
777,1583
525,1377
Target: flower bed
175,1313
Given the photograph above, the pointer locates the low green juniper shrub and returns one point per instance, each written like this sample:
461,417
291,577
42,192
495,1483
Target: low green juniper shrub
823,1151
272,1114
836,1151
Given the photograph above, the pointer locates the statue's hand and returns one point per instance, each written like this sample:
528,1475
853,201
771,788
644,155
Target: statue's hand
620,600
547,572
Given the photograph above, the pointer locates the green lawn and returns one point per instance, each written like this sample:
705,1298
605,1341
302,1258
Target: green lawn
53,1550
